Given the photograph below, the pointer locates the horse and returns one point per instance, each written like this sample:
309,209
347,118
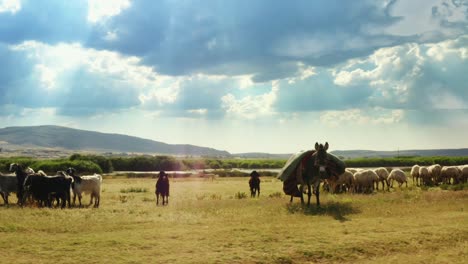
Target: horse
314,169
162,188
254,184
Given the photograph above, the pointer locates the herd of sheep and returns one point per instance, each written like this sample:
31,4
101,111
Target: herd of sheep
436,174
366,180
38,188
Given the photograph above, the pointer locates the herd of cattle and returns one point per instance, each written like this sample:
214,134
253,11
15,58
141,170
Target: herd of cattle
366,180
37,187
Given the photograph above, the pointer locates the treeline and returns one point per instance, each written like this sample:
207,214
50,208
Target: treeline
52,166
105,164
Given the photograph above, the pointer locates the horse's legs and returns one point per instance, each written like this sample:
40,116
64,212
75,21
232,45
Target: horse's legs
258,191
3,196
317,193
290,200
157,199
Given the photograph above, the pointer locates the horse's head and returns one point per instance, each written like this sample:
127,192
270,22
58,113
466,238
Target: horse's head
321,156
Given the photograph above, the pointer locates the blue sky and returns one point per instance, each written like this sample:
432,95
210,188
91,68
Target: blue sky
242,76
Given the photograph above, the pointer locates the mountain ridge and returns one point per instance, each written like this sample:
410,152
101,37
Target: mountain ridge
51,136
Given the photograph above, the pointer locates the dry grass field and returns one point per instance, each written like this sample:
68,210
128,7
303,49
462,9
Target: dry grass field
206,222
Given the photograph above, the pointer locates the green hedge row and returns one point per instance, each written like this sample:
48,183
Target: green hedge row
52,166
103,164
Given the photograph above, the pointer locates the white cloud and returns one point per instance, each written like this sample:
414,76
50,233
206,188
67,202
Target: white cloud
54,60
446,100
11,6
251,107
412,75
47,76
361,117
201,111
101,9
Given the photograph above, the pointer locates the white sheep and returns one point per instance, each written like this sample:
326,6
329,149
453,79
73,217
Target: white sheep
415,174
346,179
399,176
450,172
424,176
383,175
364,180
464,173
434,173
353,170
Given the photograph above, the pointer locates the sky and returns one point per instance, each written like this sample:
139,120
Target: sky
239,75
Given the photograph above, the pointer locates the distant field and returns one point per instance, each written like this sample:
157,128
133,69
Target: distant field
205,223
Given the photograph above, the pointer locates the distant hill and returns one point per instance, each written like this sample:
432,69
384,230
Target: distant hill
401,153
75,139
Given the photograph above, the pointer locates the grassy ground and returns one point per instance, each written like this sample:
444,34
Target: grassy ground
205,223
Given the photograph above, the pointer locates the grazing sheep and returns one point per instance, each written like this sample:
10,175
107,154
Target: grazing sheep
434,173
364,181
415,174
86,184
424,176
399,176
254,184
464,173
8,184
353,170
450,172
345,182
162,188
383,175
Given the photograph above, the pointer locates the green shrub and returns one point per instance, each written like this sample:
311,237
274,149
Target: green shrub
240,195
134,190
276,195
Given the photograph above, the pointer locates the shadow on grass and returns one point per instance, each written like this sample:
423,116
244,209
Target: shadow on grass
337,210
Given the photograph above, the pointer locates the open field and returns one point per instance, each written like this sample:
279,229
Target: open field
206,223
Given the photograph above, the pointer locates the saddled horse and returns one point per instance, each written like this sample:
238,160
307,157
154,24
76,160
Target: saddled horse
314,166
314,169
